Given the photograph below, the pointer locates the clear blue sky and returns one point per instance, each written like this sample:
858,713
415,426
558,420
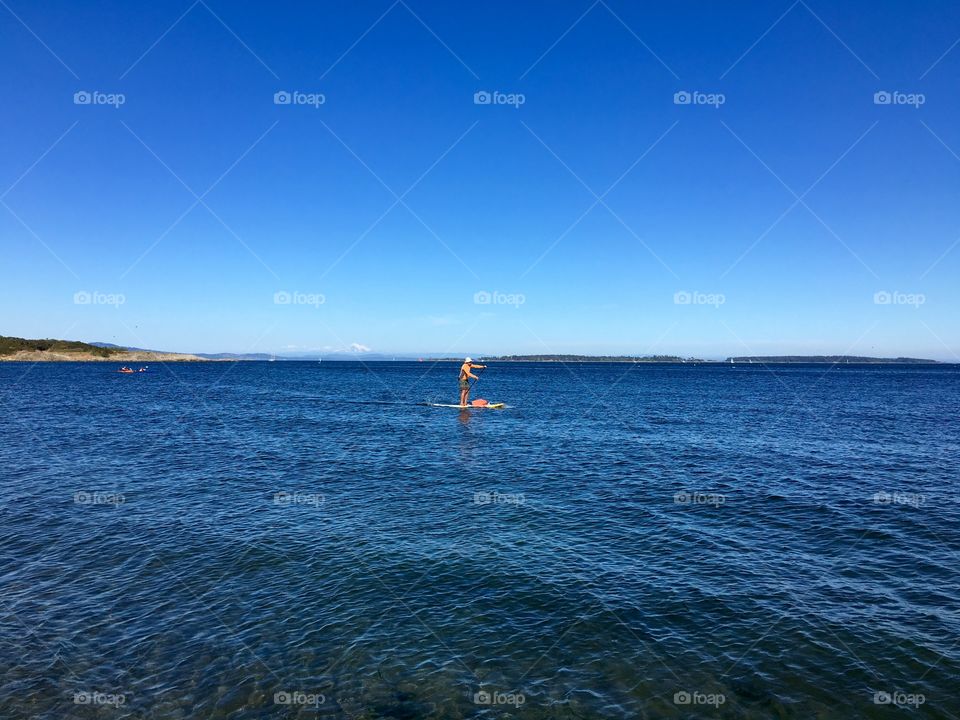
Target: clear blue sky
304,199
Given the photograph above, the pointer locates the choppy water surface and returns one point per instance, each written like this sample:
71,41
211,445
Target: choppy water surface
247,540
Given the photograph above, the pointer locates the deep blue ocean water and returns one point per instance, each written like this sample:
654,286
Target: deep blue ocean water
292,539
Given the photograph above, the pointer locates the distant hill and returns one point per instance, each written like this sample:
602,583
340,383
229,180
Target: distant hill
205,356
236,356
22,349
832,359
13,345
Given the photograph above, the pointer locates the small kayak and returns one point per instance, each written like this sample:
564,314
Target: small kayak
125,372
488,406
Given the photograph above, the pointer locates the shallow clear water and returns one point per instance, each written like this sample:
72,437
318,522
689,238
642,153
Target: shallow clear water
785,540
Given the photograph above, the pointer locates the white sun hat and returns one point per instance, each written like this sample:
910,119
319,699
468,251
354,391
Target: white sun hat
468,360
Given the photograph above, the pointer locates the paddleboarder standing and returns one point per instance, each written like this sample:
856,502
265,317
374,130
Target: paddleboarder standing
465,376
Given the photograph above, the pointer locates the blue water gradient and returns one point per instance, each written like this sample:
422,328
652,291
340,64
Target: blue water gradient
291,539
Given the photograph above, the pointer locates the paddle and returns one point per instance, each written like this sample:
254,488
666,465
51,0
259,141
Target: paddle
479,372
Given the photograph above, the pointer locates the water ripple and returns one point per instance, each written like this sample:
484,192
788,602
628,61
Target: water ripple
290,540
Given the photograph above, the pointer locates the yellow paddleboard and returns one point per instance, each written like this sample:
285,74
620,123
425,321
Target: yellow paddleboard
489,406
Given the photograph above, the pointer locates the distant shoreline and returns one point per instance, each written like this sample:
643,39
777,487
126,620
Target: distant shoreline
751,360
13,349
46,356
17,349
145,357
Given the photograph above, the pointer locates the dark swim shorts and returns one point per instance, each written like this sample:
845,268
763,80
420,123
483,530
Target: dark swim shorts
464,384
